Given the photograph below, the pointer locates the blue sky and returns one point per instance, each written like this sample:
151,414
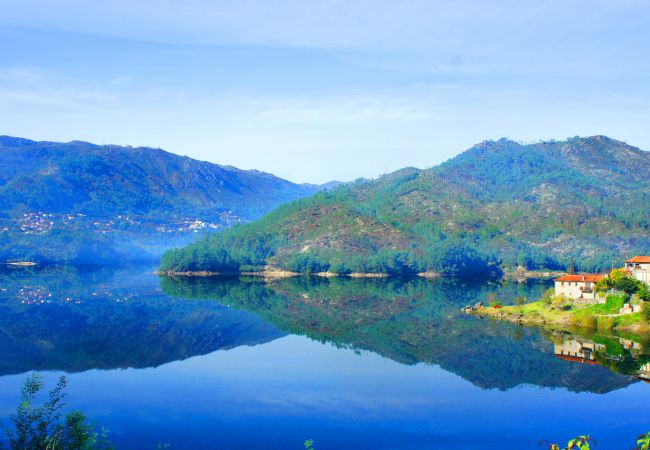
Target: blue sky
320,90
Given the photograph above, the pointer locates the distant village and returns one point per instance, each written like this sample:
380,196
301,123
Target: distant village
37,223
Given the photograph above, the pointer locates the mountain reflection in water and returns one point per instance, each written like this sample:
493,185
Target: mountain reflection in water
352,363
69,319
418,321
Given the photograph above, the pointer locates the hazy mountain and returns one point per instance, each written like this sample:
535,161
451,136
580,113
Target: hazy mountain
82,202
537,204
103,180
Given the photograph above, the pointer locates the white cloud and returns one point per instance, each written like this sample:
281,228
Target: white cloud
382,24
22,74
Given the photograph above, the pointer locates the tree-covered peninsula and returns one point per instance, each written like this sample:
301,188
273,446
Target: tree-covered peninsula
501,203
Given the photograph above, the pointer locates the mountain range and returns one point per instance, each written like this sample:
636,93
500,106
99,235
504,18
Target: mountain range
82,202
102,180
581,202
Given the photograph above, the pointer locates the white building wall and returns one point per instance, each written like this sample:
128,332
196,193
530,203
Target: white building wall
642,275
572,289
640,271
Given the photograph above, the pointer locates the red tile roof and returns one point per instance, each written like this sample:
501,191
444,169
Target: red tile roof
575,359
586,278
639,259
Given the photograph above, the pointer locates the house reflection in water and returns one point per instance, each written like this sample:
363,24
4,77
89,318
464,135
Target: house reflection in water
644,372
585,351
578,350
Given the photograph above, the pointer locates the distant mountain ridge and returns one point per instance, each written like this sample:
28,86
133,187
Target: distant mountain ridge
87,203
499,203
80,177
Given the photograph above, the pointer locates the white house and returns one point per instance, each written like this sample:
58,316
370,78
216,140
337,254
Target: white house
639,267
579,287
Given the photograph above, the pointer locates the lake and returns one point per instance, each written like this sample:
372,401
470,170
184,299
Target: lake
349,363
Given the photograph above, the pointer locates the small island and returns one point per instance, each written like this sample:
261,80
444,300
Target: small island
21,264
617,301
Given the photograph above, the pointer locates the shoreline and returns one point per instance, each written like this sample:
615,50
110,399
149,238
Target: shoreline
531,274
280,274
556,320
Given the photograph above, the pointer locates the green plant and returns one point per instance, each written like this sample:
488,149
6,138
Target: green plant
571,269
644,293
44,427
614,303
645,311
643,442
548,296
580,443
309,444
606,323
588,321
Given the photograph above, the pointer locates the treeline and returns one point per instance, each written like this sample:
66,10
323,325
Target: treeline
251,248
213,255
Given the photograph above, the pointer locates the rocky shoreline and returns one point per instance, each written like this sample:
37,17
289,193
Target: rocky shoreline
279,274
552,319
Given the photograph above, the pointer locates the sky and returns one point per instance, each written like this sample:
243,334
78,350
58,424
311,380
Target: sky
315,90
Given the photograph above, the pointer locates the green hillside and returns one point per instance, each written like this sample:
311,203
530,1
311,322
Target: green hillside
499,203
81,202
101,180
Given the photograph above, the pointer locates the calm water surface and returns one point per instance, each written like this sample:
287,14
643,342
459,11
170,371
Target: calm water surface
349,363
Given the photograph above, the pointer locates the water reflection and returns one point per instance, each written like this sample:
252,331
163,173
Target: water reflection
75,320
70,319
619,354
644,373
418,321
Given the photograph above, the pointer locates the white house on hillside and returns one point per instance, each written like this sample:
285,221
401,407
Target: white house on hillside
639,267
579,287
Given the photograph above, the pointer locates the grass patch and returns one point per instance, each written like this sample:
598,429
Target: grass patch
605,323
612,305
601,317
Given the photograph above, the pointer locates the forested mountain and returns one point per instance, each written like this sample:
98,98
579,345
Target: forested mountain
82,202
499,203
104,180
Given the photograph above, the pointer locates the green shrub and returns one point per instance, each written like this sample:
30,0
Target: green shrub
579,443
643,442
644,293
645,311
606,323
585,321
40,427
548,296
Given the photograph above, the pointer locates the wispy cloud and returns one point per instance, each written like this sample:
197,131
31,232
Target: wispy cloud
22,74
33,86
342,107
